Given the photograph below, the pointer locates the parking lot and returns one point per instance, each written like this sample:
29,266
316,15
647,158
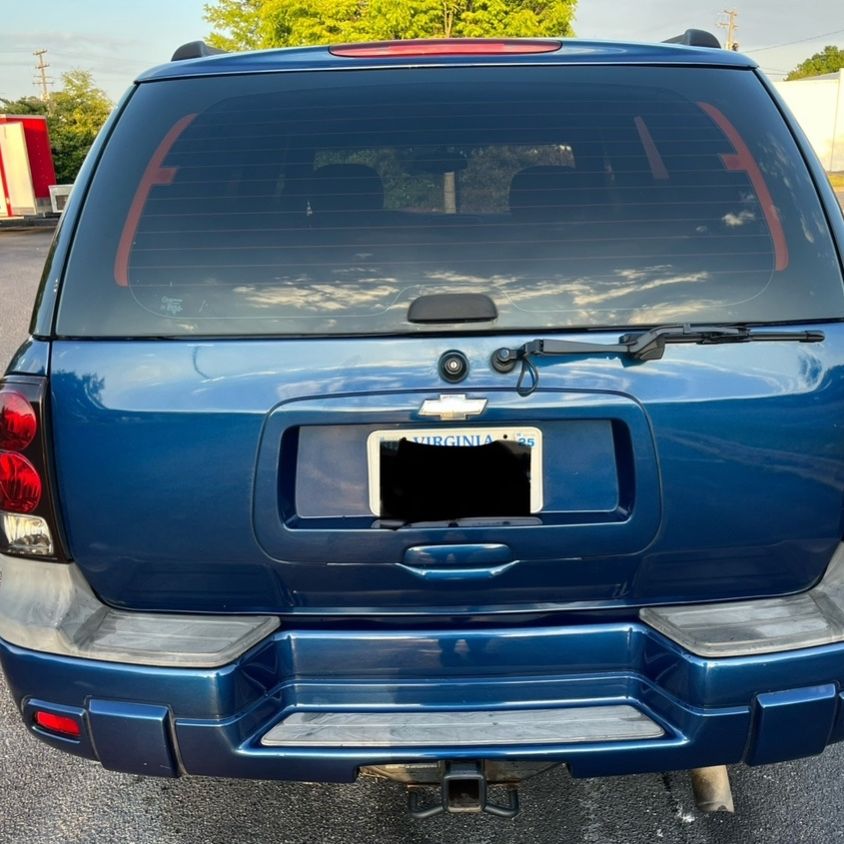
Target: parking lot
47,796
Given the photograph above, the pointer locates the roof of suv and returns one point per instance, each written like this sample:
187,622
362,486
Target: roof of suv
572,51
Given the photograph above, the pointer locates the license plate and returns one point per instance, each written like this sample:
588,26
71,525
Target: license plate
448,438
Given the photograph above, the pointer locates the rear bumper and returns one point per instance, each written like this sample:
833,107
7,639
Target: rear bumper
211,721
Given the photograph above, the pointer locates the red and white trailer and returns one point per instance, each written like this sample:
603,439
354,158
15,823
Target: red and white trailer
26,165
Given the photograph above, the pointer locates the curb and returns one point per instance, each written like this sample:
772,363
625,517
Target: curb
21,223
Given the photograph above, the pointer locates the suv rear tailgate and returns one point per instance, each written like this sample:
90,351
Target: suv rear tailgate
184,467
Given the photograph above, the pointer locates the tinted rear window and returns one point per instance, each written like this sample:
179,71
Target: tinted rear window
327,202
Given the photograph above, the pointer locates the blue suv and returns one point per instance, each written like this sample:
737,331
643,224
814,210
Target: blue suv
440,410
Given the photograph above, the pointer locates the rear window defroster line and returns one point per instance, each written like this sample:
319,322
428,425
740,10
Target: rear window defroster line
740,160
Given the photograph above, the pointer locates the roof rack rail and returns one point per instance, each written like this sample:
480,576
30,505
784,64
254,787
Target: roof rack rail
695,38
195,50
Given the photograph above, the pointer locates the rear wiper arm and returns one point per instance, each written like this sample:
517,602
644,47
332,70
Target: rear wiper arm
641,346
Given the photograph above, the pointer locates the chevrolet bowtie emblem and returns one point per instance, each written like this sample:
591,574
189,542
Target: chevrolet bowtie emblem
452,408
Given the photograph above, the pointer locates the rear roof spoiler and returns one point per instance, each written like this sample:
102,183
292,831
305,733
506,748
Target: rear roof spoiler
691,38
195,50
695,38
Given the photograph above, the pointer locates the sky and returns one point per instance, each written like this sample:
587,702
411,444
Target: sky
117,39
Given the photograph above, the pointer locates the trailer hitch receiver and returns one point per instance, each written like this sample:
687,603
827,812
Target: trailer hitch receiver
463,789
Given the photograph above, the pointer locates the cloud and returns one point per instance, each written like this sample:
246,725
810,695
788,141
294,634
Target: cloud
107,53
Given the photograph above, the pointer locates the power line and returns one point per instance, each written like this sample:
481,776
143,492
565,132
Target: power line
798,41
42,80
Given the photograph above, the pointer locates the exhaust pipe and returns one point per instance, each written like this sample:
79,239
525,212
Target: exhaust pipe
711,787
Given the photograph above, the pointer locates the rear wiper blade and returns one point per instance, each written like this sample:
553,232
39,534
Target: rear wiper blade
640,345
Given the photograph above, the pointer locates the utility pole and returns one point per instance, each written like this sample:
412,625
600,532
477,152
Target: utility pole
730,25
42,80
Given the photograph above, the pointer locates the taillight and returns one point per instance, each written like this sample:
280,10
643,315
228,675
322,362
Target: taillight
28,525
447,47
17,421
20,483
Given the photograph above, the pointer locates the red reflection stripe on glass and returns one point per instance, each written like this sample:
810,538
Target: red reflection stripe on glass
155,174
742,159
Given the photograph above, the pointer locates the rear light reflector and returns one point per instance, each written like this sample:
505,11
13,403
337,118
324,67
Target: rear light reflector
447,47
17,421
20,483
60,724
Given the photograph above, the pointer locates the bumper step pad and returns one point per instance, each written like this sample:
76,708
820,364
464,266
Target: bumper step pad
469,728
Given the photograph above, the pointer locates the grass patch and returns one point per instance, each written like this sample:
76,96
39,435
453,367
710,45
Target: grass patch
837,179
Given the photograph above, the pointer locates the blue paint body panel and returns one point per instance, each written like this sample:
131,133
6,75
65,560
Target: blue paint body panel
132,737
754,508
797,722
32,358
706,707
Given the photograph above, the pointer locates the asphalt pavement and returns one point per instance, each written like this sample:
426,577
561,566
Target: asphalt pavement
48,796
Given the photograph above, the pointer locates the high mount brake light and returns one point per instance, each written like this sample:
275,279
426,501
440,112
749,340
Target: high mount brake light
28,521
446,47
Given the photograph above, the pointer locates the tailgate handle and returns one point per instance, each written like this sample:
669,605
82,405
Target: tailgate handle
477,561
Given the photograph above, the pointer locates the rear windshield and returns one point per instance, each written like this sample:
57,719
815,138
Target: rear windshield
327,202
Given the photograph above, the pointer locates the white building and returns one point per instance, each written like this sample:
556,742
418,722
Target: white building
818,105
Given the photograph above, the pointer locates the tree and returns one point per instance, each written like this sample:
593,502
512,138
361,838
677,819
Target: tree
242,19
829,60
75,115
259,24
24,105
